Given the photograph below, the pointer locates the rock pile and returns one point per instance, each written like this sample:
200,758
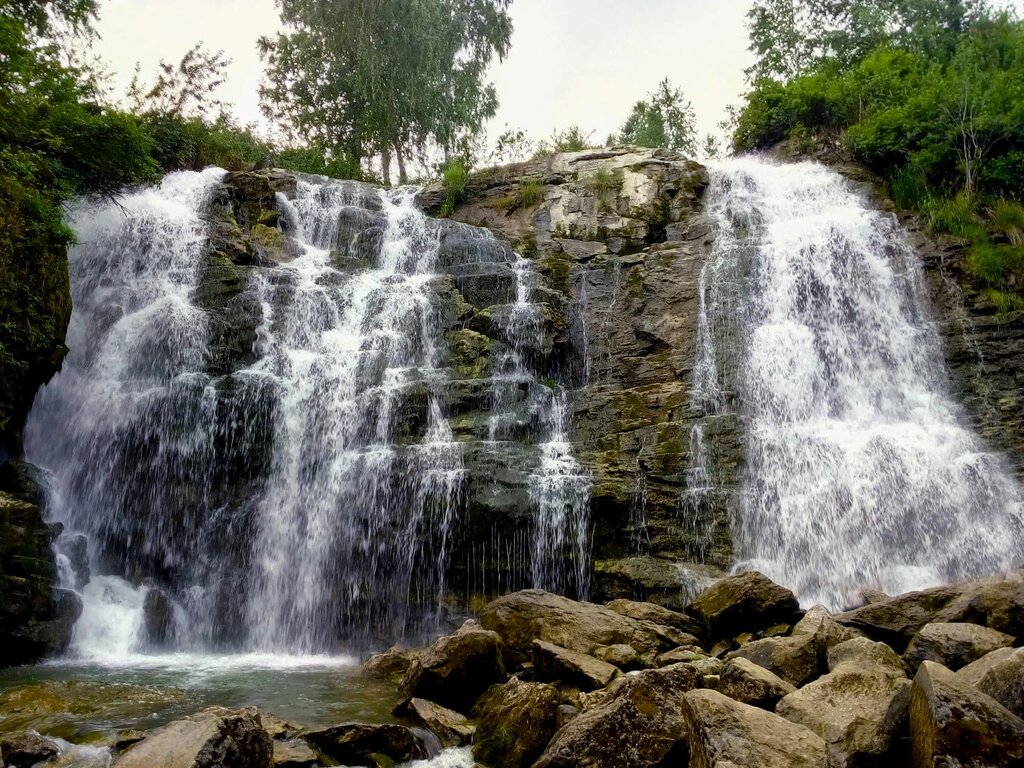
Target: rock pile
741,678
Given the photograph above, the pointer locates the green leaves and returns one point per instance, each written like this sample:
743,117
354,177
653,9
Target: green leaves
665,119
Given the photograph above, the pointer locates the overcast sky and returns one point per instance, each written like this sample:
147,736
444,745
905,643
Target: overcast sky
572,61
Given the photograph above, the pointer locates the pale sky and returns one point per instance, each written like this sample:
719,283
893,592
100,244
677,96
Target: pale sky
572,61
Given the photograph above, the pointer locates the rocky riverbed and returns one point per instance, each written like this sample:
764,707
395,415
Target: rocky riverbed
742,676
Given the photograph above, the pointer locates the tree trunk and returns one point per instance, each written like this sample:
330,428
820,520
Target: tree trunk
385,166
402,176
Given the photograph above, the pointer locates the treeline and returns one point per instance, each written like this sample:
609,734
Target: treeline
928,93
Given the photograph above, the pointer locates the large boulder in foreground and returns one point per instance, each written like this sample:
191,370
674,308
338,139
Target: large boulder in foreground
999,674
457,668
746,602
746,682
357,743
532,614
639,723
953,644
858,709
954,724
724,733
516,722
213,738
26,749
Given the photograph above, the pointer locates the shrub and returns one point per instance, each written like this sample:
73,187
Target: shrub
454,176
603,180
951,217
909,190
1008,220
531,192
998,266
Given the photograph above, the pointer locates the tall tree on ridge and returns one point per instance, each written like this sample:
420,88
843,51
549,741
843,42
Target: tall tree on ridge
664,119
384,78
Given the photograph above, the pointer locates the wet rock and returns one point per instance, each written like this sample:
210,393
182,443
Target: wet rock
796,659
457,668
745,602
294,754
554,663
278,728
357,743
638,724
746,682
859,709
1001,677
516,722
864,652
656,614
818,621
952,724
213,738
26,749
621,655
524,616
393,664
128,738
724,733
953,645
158,619
997,603
76,547
451,728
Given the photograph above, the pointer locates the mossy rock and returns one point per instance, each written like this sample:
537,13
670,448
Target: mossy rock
470,353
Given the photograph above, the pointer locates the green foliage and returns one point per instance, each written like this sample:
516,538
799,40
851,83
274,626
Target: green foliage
909,191
952,217
369,79
1006,302
572,139
664,119
512,146
531,192
602,180
454,177
999,266
1008,220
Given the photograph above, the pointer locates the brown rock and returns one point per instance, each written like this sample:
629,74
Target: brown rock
621,655
294,754
457,668
656,614
516,722
1003,680
213,738
724,733
864,652
639,723
952,723
357,743
26,749
746,682
818,621
797,659
554,663
451,728
393,664
745,602
953,644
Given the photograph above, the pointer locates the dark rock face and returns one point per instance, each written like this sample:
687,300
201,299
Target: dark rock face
357,743
36,619
26,749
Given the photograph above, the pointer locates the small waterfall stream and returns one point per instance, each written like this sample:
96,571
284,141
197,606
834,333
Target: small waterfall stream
815,328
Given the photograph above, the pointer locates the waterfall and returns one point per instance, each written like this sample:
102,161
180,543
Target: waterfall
816,329
281,505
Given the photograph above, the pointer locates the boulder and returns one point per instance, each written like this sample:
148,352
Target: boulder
818,621
158,619
638,724
294,754
974,671
556,664
746,602
724,733
532,614
866,652
393,664
621,655
858,709
277,727
451,728
953,644
457,668
213,738
796,659
516,722
26,749
1003,679
357,743
997,603
954,724
746,682
656,614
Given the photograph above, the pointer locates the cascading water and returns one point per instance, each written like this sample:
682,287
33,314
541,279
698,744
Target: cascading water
281,505
816,329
